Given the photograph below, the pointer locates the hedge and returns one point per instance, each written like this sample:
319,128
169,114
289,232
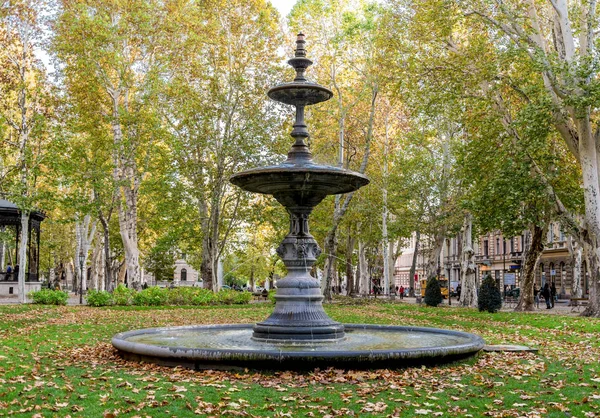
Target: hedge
49,297
159,296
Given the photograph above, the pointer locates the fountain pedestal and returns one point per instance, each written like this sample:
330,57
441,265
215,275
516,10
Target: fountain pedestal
298,316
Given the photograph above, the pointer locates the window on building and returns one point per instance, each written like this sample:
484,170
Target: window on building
497,245
183,276
552,274
551,233
522,247
542,274
504,247
486,250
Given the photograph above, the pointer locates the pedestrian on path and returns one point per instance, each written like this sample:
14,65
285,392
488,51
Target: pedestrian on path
547,294
401,292
536,296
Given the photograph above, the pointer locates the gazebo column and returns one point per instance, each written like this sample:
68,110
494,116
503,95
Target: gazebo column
16,261
28,271
37,269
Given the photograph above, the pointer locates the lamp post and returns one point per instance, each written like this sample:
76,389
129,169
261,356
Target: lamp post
81,261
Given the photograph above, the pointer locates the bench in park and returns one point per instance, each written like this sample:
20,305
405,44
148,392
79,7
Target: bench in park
259,295
577,303
510,301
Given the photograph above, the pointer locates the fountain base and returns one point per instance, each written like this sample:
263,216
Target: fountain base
232,347
298,317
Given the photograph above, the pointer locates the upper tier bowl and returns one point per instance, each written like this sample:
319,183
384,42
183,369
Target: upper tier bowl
299,184
300,93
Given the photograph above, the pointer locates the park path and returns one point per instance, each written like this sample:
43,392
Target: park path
560,308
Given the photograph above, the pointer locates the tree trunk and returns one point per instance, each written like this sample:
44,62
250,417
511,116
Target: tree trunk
121,271
468,280
127,229
413,266
593,309
124,174
210,242
434,253
534,252
77,268
206,268
329,268
576,252
2,251
330,246
363,268
86,234
23,255
391,266
108,276
97,279
386,260
351,287
70,276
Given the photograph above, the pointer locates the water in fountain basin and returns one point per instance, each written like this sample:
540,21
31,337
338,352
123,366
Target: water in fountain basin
239,339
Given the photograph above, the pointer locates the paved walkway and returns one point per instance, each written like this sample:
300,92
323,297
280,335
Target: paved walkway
560,308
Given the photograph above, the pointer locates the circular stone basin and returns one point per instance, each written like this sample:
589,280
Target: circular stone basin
231,346
509,347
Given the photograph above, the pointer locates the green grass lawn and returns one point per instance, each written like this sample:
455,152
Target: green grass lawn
58,361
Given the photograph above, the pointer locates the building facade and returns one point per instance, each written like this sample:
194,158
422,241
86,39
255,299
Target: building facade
502,258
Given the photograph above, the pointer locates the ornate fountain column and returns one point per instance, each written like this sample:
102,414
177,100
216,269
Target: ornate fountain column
299,184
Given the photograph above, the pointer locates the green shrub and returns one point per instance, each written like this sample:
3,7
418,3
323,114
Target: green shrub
233,297
243,298
489,296
433,292
226,296
181,295
152,296
272,295
204,297
49,297
123,296
99,298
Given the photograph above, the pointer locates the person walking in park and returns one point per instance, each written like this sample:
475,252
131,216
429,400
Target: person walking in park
401,292
536,296
8,272
547,293
553,293
458,290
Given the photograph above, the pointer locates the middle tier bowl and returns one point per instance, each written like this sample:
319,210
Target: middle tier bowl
299,184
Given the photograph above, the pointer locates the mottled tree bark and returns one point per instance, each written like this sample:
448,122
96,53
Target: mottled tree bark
413,266
350,285
526,302
468,294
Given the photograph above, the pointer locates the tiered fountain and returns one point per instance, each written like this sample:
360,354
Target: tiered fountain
298,328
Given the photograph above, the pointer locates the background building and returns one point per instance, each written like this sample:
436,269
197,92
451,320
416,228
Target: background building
501,257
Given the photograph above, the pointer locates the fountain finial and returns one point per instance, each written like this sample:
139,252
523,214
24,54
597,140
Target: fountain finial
299,61
300,51
300,93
